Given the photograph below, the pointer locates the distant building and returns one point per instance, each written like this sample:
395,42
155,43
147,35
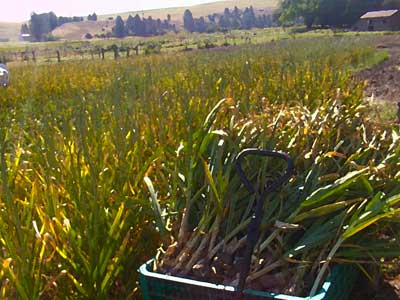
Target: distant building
382,20
26,37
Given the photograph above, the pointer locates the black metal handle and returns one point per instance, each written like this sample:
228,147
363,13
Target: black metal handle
254,227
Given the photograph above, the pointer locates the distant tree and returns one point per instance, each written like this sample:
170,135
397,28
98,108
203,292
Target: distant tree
119,29
327,12
236,12
77,19
169,18
39,26
200,25
211,27
53,20
307,9
249,18
224,22
391,4
332,12
130,25
188,22
61,20
150,26
138,26
25,29
92,17
356,8
227,13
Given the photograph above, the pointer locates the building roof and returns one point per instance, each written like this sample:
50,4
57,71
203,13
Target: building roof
379,14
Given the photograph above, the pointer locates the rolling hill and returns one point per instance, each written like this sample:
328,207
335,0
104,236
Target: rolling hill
199,10
78,30
9,31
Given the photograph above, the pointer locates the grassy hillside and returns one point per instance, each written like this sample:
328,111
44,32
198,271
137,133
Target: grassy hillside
9,31
201,9
78,30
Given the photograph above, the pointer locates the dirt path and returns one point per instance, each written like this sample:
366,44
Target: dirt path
384,79
383,83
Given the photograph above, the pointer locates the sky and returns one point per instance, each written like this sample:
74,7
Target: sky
20,10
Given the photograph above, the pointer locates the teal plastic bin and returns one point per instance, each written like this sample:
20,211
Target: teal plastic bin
156,286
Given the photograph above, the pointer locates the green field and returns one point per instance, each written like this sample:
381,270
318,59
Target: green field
45,52
79,138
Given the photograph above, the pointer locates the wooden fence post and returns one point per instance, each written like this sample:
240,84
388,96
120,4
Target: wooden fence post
116,55
33,56
102,53
58,56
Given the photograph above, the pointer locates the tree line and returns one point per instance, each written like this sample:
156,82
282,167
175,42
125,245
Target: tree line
230,19
136,26
40,26
336,13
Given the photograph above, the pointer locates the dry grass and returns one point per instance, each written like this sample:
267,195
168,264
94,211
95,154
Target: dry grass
201,9
77,30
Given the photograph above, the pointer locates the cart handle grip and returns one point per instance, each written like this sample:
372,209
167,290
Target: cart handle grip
266,153
254,227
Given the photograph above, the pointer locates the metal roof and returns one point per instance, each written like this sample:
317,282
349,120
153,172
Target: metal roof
379,14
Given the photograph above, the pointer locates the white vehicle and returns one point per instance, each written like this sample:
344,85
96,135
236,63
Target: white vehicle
4,76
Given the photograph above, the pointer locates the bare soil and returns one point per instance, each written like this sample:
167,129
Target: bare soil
383,80
383,83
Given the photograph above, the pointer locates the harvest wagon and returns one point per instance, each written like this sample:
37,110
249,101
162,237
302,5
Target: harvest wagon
156,286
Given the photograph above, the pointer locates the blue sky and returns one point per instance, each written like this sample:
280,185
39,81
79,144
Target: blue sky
20,10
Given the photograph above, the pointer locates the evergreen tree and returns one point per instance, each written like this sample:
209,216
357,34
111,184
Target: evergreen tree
236,12
129,26
138,26
119,29
188,22
200,25
227,13
224,22
150,26
92,17
24,29
249,18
